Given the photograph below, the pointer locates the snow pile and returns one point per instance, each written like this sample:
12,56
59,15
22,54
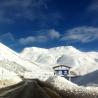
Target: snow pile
72,89
41,76
61,83
8,78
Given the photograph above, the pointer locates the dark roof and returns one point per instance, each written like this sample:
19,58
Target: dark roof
62,66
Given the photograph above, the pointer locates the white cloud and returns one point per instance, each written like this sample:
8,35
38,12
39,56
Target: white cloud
27,40
32,39
81,34
53,34
43,36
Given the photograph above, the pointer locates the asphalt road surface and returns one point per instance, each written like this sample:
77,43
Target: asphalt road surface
28,89
37,89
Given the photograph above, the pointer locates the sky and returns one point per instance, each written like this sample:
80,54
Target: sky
49,23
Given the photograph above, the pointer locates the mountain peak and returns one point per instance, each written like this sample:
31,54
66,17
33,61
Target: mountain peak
65,49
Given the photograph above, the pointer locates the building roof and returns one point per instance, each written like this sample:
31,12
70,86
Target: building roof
61,66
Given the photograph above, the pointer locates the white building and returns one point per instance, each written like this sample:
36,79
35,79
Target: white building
62,70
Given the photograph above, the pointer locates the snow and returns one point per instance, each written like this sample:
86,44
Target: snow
69,60
36,62
32,53
41,76
61,82
81,62
8,78
8,55
64,85
17,66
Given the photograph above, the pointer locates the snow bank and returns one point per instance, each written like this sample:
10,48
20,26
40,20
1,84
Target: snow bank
8,78
71,89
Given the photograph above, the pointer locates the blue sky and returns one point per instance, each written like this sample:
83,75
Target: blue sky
49,23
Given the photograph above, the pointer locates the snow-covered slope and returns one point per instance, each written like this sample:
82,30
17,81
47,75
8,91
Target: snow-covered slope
12,62
16,66
81,62
8,77
8,55
70,89
61,82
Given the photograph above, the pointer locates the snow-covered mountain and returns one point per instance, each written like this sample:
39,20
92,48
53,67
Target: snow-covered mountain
7,55
81,62
34,62
12,66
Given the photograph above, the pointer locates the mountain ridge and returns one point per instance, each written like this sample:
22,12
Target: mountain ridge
38,60
66,55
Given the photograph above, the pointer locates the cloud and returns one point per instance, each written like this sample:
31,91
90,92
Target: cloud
53,34
7,36
27,40
4,19
91,13
92,10
8,39
15,9
42,37
81,34
32,39
30,10
93,6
